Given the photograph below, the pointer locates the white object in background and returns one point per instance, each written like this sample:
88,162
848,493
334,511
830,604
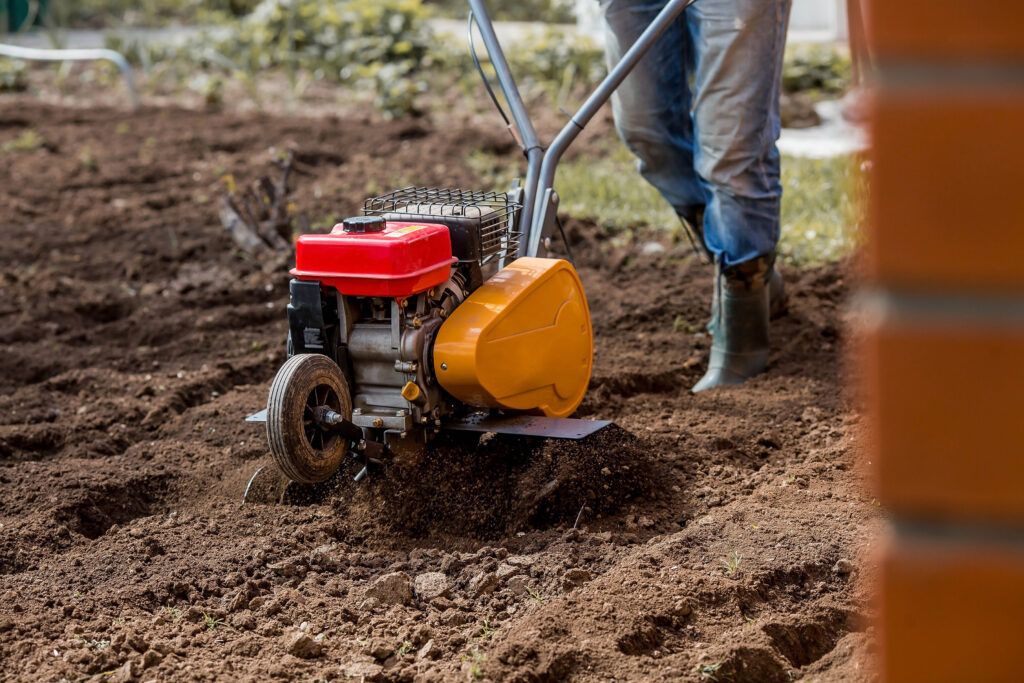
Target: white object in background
834,137
811,21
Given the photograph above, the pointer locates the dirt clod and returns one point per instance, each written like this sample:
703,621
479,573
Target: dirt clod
431,585
843,567
574,578
303,645
483,583
391,589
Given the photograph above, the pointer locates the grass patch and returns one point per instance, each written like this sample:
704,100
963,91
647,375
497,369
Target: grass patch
820,201
28,141
709,672
821,208
211,622
732,563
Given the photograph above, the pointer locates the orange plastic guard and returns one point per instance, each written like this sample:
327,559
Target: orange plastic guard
522,341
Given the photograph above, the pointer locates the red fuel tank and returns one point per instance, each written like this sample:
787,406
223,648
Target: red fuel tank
368,256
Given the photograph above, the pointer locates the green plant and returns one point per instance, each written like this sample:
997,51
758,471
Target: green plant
211,622
101,13
379,45
822,69
681,324
87,159
547,11
28,141
547,62
709,672
405,648
535,594
487,631
476,661
732,563
98,644
13,75
552,57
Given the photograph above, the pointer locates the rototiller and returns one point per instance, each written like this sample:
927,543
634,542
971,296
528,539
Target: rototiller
434,311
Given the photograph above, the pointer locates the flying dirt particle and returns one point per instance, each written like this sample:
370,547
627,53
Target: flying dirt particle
392,589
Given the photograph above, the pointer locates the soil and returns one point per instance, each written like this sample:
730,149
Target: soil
714,537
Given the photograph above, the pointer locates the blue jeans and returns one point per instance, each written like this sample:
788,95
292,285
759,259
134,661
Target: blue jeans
701,114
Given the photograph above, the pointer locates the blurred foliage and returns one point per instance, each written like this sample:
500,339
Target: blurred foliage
550,58
817,68
547,11
13,75
381,47
27,141
103,13
544,63
382,44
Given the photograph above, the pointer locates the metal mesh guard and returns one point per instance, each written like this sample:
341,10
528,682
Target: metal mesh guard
492,213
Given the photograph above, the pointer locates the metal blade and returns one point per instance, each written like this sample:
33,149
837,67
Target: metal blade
257,417
266,487
528,425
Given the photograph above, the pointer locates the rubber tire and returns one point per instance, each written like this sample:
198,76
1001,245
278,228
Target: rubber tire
292,453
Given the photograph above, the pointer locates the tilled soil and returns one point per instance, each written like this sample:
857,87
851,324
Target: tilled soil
718,537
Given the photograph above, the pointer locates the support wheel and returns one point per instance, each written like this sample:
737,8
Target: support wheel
305,450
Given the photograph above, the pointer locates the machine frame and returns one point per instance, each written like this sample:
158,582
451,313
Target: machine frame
539,200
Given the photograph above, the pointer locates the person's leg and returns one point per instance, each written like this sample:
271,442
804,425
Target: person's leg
737,70
652,106
738,49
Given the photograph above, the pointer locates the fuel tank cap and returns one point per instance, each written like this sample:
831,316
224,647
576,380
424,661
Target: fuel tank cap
363,224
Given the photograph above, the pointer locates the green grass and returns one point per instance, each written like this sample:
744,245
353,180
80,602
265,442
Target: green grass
819,202
211,622
709,672
27,141
732,563
820,206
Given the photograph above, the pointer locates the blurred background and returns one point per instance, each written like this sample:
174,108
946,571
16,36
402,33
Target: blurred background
408,58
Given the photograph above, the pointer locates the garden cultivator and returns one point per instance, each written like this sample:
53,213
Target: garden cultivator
435,311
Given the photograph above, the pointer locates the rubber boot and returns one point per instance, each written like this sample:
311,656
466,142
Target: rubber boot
692,219
778,303
739,324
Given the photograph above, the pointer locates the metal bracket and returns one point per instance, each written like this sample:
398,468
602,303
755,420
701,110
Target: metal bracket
527,425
